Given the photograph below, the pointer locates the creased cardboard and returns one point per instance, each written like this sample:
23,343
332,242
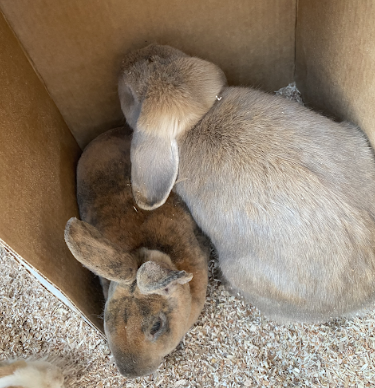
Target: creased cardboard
38,157
335,59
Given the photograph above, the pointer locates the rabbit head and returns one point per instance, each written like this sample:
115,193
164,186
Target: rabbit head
149,300
163,93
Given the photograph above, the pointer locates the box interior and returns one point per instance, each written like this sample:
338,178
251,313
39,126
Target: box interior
76,46
335,59
59,67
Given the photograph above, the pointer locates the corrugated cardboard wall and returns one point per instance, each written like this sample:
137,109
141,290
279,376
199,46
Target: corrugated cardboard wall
37,178
76,46
335,67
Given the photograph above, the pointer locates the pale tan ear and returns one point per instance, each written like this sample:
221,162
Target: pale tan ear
154,168
177,99
98,254
153,278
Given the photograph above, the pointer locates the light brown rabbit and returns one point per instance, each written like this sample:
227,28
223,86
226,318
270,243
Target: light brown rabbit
30,374
286,195
156,261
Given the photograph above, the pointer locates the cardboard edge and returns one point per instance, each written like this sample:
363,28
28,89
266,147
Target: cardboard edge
295,40
59,294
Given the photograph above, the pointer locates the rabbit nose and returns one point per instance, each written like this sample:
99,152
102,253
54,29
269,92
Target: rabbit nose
132,371
127,367
131,366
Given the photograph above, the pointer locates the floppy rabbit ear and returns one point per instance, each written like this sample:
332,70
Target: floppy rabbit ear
176,99
154,167
155,279
99,254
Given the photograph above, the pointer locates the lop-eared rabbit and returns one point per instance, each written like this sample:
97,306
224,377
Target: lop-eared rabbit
156,261
286,195
30,374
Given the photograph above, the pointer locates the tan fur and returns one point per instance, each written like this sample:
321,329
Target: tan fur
8,369
169,283
182,97
185,102
30,374
153,275
286,195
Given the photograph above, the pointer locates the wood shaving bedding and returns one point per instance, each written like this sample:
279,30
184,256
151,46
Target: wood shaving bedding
231,345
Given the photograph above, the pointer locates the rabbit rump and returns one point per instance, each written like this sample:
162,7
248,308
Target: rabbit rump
30,374
156,261
285,194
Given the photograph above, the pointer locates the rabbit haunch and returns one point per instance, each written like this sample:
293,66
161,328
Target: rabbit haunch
153,264
285,194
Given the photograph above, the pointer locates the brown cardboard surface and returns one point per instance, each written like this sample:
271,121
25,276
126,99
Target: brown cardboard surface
76,46
38,155
335,59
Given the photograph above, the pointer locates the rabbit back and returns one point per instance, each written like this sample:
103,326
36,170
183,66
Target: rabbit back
286,196
105,201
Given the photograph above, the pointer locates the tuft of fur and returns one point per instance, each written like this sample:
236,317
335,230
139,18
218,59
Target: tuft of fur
284,194
30,374
153,264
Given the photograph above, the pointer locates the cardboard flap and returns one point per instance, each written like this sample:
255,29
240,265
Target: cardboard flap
77,46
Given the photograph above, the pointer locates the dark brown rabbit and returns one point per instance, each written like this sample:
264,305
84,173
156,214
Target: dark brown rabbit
156,261
285,194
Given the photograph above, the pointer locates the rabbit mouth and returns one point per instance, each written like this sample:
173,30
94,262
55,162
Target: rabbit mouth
131,370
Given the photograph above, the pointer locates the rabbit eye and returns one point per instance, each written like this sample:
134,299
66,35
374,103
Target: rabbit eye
158,326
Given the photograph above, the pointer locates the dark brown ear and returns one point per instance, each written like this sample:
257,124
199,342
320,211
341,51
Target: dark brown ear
153,278
99,254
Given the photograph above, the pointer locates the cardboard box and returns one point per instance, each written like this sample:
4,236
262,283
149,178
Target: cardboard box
59,62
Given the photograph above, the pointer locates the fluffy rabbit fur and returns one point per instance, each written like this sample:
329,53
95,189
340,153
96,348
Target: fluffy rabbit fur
156,261
30,374
286,195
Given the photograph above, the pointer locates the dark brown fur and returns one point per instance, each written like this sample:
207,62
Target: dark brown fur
157,267
286,195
